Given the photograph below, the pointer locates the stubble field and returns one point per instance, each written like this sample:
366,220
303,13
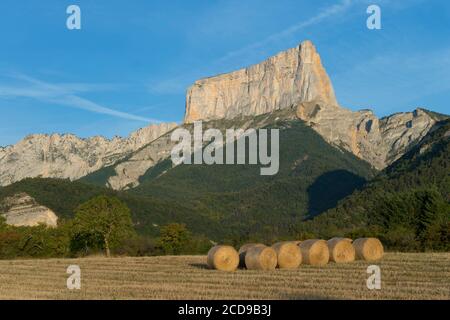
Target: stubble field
403,276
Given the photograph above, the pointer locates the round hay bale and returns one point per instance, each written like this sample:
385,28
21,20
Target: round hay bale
243,251
315,252
288,254
341,250
369,249
224,258
260,257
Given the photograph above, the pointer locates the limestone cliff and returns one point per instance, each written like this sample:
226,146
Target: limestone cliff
23,210
290,77
378,141
67,156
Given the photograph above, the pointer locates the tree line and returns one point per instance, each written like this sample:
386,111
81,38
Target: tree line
101,225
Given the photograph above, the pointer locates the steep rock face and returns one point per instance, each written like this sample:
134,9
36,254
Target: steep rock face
67,156
378,141
128,172
291,77
23,210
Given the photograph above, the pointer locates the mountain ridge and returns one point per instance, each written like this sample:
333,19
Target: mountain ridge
68,156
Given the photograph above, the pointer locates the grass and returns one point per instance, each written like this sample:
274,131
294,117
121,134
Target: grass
404,276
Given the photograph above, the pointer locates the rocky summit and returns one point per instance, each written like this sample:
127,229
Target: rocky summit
290,77
23,210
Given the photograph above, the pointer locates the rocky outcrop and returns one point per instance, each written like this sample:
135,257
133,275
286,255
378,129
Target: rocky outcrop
378,141
290,77
67,156
22,210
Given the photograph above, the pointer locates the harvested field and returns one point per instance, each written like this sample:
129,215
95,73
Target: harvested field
404,276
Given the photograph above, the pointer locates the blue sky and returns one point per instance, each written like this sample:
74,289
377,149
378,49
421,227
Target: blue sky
132,61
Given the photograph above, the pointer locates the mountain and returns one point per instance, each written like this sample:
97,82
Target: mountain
313,176
297,78
67,156
407,205
247,98
225,201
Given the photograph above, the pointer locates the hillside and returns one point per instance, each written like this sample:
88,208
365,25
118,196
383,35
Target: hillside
226,202
66,156
313,177
327,153
407,205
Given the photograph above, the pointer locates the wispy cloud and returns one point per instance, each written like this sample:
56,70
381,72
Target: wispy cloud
325,13
63,95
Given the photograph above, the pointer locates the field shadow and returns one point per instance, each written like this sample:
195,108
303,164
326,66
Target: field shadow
202,266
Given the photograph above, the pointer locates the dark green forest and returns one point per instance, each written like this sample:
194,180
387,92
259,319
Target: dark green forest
407,205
